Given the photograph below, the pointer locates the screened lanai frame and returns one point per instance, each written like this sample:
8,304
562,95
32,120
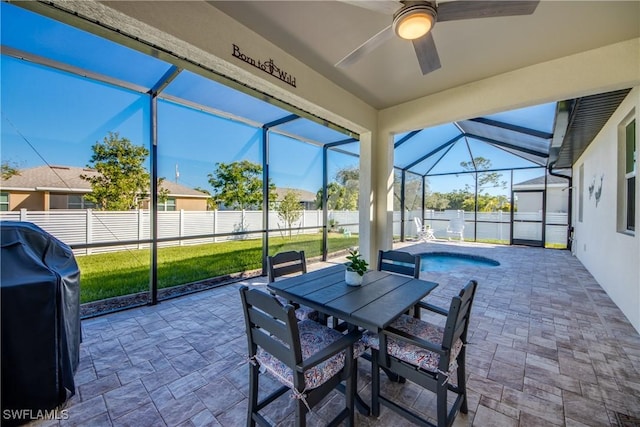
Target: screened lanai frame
277,117
171,79
510,133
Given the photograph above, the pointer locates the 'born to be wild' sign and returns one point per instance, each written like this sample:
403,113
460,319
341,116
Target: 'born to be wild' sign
268,67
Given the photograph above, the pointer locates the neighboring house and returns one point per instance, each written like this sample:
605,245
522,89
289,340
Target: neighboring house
557,195
60,187
307,198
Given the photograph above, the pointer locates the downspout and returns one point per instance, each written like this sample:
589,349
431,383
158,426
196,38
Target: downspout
570,205
402,203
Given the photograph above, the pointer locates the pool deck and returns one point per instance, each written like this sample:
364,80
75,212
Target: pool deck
547,347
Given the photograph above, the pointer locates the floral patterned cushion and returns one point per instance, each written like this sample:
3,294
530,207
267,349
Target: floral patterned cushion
313,338
413,354
302,312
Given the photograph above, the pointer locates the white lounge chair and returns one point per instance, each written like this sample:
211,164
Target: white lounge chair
456,228
425,233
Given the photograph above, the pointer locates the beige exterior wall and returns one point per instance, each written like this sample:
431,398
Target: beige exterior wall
33,201
609,255
43,201
191,204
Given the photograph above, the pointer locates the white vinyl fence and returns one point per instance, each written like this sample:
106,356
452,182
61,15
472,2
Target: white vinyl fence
84,227
490,225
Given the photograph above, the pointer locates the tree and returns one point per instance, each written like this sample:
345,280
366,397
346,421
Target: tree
436,201
485,180
211,203
335,196
8,169
343,191
458,198
122,182
238,185
289,209
412,192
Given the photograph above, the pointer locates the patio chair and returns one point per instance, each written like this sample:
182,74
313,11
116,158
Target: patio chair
425,233
426,354
306,357
286,263
400,263
456,228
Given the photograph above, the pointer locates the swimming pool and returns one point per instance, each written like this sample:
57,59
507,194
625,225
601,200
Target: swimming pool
445,261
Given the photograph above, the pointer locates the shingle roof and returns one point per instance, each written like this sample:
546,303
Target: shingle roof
304,195
67,179
551,179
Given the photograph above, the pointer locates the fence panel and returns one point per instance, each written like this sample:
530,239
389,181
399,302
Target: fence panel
230,222
196,223
114,227
168,227
346,217
67,225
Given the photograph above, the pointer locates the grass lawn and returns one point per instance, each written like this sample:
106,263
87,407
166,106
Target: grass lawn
121,273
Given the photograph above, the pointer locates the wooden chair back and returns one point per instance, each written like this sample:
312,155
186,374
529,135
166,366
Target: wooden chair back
285,263
399,262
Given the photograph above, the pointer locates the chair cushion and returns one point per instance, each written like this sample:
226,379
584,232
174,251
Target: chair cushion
313,338
302,312
411,353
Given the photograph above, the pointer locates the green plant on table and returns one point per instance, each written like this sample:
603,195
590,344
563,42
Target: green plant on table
356,262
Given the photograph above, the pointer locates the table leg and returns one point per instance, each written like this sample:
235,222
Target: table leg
362,407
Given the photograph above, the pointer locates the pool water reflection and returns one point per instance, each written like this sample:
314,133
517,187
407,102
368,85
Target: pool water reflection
445,261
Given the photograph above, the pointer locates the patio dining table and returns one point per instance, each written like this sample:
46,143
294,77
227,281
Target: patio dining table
376,303
381,298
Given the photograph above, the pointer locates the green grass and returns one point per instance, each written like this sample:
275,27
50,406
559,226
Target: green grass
121,273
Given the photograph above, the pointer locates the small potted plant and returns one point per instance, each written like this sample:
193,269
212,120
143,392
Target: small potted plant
356,267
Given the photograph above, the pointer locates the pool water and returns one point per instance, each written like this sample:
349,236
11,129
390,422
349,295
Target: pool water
446,261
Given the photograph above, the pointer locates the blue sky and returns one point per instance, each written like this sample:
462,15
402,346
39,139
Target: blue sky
50,116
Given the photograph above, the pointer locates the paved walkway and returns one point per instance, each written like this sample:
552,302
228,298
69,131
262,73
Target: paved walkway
547,348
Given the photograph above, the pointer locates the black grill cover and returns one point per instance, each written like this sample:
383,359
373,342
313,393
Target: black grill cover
40,284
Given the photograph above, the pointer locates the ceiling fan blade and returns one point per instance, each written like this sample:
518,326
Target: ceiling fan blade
470,9
388,7
427,53
366,47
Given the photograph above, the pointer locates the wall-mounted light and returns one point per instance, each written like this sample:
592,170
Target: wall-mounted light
414,21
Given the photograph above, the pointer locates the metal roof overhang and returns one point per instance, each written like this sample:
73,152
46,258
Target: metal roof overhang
580,120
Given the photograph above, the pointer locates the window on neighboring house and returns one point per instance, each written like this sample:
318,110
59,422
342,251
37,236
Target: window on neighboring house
4,201
168,205
627,173
76,201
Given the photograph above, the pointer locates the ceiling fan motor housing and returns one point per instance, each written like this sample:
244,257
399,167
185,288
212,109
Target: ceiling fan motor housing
423,11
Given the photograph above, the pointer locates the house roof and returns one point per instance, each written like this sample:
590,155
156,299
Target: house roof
304,195
67,179
539,181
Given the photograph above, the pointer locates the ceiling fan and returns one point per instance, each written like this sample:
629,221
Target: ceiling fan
414,20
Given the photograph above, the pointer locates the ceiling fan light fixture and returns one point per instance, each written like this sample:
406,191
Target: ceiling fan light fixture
414,21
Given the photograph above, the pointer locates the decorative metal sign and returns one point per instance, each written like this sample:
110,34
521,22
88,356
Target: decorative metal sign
268,67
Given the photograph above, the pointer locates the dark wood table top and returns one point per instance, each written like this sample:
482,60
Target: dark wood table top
380,299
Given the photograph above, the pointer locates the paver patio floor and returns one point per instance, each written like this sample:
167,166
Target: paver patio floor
547,348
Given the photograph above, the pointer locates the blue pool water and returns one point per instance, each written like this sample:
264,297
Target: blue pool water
445,261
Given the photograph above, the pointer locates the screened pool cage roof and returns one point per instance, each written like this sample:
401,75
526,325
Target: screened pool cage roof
515,139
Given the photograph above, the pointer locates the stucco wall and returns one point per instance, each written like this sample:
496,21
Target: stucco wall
26,200
191,204
613,258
